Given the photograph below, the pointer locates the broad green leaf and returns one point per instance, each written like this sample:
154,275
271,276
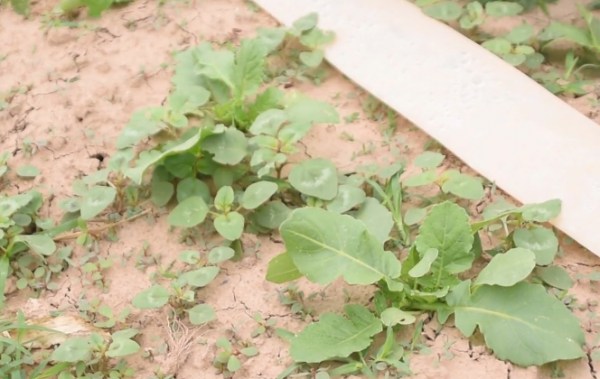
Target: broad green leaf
250,351
268,122
422,179
447,229
201,314
190,187
97,199
523,323
316,37
188,100
72,350
125,333
148,159
514,59
541,212
558,30
153,297
499,46
28,171
303,109
556,277
394,316
507,269
97,177
185,69
347,198
8,206
464,186
315,177
325,245
269,99
534,60
181,165
143,123
282,269
215,64
162,192
312,58
520,34
414,215
377,218
189,213
230,226
428,160
224,198
335,336
272,214
229,147
248,70
220,254
541,241
258,193
306,23
121,347
445,11
271,38
201,277
233,364
503,8
424,265
40,243
189,256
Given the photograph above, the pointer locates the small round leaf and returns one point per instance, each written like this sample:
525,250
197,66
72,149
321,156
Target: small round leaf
153,297
445,11
28,171
230,226
201,314
121,347
97,199
189,213
257,193
220,254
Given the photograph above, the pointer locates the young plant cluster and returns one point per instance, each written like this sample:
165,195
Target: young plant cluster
521,46
418,260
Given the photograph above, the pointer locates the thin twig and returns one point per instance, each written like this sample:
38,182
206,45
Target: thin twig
102,228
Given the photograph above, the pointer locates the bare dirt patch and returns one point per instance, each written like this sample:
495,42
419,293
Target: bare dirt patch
74,90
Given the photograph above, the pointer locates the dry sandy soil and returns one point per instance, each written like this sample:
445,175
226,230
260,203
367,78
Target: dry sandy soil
82,86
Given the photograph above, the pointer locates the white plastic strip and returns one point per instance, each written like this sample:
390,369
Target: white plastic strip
492,116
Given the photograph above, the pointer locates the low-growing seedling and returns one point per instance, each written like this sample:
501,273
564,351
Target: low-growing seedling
471,15
264,326
227,360
293,297
93,356
569,82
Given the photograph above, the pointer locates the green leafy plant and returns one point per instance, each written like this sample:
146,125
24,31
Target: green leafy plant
25,250
228,356
471,15
222,143
264,326
515,47
93,356
569,82
95,7
426,278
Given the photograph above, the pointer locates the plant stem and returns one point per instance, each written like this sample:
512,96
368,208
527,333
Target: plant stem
69,236
428,307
